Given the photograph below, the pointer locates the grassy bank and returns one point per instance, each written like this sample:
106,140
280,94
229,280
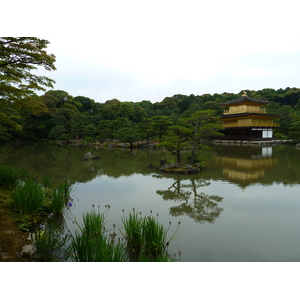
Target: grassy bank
12,239
24,202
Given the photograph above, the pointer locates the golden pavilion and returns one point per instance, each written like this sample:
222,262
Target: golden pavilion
245,119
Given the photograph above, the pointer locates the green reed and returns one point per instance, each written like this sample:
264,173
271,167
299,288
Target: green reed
65,189
91,244
29,197
8,177
154,238
57,201
133,232
59,197
146,238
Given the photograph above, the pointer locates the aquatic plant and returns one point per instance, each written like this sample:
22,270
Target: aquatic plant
133,232
154,238
8,177
29,197
65,189
60,197
146,238
57,201
90,244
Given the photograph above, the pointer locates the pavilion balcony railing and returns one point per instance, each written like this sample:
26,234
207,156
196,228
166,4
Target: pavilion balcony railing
251,123
243,109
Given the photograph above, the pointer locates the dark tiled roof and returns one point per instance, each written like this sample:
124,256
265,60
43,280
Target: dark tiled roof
249,114
244,99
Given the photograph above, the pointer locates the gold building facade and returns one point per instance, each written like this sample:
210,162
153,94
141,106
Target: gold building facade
245,119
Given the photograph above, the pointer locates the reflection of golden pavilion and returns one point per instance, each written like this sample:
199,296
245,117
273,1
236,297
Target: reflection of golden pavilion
243,176
246,170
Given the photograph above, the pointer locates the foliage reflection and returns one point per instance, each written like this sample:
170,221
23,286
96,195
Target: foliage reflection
197,205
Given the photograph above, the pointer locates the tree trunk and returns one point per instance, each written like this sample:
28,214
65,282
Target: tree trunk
178,156
192,159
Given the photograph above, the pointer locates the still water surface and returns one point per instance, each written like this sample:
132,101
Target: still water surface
244,206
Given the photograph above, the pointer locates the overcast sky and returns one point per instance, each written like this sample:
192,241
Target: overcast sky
136,50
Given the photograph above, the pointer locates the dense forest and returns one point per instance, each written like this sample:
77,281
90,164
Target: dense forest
64,117
57,115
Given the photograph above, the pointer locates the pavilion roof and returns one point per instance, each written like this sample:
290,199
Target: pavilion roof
244,99
241,115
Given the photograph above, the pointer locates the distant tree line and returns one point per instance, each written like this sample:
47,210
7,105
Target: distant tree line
56,115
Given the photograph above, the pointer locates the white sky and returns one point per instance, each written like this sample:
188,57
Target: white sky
136,50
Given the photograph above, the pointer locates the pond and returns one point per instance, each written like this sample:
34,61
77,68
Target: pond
244,206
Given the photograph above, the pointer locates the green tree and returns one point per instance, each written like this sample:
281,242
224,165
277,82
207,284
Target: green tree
285,123
294,133
78,125
87,104
140,114
59,132
61,120
160,125
19,57
59,97
177,138
9,122
148,106
146,132
204,124
107,130
128,132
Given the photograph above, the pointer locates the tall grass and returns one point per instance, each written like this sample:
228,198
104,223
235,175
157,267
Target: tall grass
29,197
8,177
133,233
57,201
154,238
146,238
90,244
59,197
65,189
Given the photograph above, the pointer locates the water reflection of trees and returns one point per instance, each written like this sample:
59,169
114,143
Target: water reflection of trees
66,162
236,164
197,205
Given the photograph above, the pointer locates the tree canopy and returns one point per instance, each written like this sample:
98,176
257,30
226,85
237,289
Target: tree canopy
19,57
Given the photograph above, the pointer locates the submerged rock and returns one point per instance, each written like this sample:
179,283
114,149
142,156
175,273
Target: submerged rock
89,156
